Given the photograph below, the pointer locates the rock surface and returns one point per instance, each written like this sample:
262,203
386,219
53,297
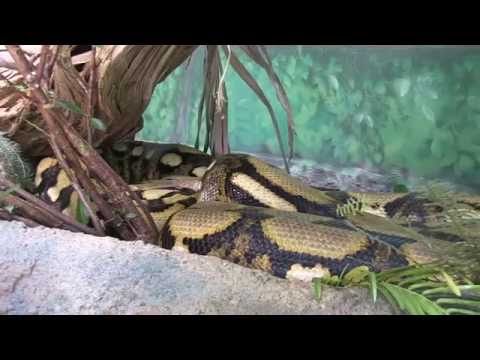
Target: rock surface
51,271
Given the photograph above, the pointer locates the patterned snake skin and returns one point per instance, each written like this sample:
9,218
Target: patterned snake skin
240,208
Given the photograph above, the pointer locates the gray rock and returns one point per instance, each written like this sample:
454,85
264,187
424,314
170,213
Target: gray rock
51,271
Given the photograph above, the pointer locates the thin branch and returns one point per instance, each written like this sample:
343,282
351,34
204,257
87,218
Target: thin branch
15,88
5,215
41,65
65,137
51,64
40,207
75,183
57,134
91,95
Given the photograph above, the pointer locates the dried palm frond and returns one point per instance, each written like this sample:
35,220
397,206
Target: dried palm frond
214,99
82,164
122,85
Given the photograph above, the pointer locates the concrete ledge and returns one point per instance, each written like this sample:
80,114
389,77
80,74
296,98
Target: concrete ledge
50,271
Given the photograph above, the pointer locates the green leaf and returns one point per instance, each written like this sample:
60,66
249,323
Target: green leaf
317,287
446,290
331,280
390,299
461,302
67,105
21,88
356,275
455,311
373,285
98,124
451,284
412,302
404,272
130,216
82,215
417,284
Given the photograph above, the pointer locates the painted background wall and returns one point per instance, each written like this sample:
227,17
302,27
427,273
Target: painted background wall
411,108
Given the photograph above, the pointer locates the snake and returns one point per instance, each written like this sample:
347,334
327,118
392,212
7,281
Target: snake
244,210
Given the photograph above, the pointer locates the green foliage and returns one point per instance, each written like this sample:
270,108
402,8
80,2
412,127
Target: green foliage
81,214
414,290
98,124
12,165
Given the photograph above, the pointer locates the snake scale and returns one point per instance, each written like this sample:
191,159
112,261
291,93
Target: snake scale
244,210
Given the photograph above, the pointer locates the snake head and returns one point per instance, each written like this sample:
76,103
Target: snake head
214,183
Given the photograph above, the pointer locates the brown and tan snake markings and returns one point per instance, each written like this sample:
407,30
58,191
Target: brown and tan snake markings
242,209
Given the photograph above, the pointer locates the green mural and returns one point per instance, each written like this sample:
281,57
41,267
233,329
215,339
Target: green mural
414,110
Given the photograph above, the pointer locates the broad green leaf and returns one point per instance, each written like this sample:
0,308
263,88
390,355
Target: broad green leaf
390,299
412,302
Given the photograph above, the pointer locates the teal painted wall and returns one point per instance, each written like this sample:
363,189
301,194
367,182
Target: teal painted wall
411,109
